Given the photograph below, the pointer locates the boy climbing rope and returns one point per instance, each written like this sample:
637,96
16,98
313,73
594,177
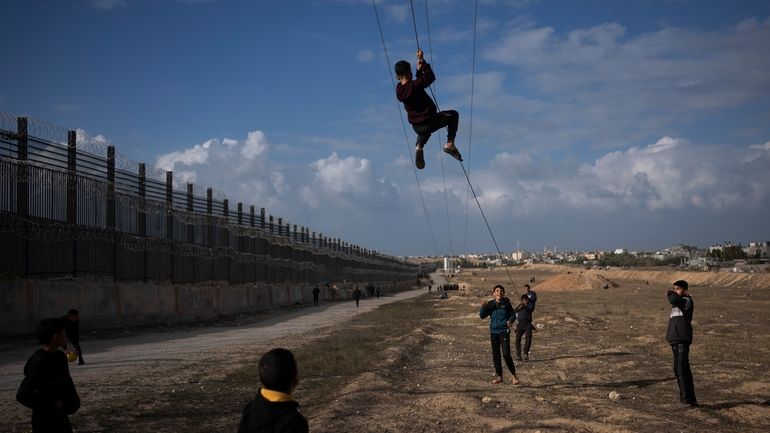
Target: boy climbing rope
421,110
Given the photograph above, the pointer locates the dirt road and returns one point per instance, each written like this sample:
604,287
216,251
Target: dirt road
114,363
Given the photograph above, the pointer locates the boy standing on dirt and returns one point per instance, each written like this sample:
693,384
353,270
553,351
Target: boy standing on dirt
273,409
501,316
523,326
47,387
531,295
679,336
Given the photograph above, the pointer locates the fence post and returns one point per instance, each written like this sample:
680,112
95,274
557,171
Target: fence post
22,185
210,226
142,216
191,225
111,208
170,217
72,195
226,214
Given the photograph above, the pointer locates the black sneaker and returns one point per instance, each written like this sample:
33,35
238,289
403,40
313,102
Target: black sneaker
526,357
419,159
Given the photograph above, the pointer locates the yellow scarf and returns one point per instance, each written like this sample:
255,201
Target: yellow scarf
275,396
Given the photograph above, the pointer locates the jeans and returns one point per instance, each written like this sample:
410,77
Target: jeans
502,340
448,119
682,372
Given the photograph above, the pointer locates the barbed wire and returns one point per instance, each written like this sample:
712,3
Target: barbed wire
58,232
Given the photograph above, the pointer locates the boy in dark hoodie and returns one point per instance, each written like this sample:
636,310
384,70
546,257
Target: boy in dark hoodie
47,387
421,110
501,317
679,336
273,410
524,326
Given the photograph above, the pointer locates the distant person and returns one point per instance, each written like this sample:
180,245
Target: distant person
73,333
357,295
523,327
273,410
679,336
316,292
421,110
47,387
501,316
377,292
430,287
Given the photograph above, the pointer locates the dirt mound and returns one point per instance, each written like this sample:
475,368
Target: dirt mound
574,281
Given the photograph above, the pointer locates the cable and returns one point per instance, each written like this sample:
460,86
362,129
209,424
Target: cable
502,261
403,124
470,123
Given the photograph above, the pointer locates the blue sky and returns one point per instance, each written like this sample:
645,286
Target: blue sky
596,124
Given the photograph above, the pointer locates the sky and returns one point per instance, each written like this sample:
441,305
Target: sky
585,125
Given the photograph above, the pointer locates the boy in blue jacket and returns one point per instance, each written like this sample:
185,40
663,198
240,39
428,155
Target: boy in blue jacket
501,317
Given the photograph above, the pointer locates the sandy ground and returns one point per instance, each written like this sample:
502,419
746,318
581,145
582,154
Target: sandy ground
592,341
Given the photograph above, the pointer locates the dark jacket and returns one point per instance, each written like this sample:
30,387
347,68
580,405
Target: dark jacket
264,416
532,299
47,380
419,106
680,321
524,315
500,313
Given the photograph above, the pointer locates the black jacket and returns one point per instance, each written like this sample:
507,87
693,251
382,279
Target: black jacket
680,321
264,416
47,380
419,106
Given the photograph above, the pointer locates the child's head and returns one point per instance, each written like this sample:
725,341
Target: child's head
73,314
525,299
403,69
278,370
526,286
51,332
498,291
680,287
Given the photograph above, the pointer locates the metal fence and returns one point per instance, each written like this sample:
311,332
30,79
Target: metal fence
70,205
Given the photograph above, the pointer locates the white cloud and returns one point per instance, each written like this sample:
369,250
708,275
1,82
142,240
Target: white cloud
604,86
668,175
255,145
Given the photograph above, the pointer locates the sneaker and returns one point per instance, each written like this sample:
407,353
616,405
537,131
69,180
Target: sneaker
526,357
518,357
419,159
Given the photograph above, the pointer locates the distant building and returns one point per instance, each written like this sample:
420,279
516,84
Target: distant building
757,249
620,251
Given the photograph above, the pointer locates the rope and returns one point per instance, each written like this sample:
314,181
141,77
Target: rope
443,175
470,123
403,125
489,228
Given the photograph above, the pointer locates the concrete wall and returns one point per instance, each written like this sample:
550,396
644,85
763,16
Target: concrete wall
104,303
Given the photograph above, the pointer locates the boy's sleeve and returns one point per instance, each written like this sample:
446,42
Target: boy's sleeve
425,76
676,300
484,312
